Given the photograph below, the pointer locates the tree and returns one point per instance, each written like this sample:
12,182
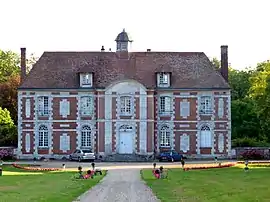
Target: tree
10,79
216,63
8,131
239,82
9,65
260,93
30,62
245,122
8,96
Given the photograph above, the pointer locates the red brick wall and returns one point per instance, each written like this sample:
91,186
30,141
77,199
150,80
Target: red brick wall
152,135
32,109
31,142
56,107
56,142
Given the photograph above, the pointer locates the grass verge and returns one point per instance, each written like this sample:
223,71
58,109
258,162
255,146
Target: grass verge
226,185
50,186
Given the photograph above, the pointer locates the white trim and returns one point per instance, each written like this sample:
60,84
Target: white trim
113,95
64,108
19,97
123,120
108,124
78,121
64,125
143,124
27,108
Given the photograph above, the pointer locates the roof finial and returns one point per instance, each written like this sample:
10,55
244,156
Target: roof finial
124,30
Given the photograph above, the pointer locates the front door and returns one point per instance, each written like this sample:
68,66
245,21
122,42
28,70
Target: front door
125,142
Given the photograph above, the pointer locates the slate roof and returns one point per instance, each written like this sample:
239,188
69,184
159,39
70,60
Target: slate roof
190,70
123,37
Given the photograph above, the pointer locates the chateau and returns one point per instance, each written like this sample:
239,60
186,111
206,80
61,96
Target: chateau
132,103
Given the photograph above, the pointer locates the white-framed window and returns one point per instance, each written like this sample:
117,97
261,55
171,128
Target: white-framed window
165,105
43,105
86,136
205,137
86,79
125,105
87,104
163,79
43,136
206,105
165,136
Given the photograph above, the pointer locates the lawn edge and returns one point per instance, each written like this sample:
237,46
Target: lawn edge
34,168
78,198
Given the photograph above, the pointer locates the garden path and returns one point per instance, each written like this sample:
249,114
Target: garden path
120,185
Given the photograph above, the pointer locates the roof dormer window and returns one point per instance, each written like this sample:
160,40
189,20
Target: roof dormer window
163,79
86,79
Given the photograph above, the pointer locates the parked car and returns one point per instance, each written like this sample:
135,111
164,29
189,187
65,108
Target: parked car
82,155
166,156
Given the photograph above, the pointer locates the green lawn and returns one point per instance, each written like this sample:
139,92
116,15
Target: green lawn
213,185
18,185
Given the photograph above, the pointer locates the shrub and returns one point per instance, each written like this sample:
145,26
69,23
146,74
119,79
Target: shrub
253,155
6,154
249,142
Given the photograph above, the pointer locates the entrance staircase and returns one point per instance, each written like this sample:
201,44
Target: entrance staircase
128,158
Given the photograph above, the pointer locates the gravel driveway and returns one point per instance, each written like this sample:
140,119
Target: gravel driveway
120,186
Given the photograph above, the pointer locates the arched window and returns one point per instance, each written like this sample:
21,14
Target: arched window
43,136
205,137
125,128
165,136
86,136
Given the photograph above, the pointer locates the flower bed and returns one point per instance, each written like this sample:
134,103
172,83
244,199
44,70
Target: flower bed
208,166
259,165
6,154
34,168
254,162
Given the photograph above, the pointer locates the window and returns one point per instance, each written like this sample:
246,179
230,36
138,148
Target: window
43,136
163,78
86,136
206,137
124,46
86,105
206,105
165,136
165,105
43,106
125,108
86,80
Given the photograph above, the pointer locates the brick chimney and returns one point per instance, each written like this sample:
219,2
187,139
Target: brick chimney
23,64
224,62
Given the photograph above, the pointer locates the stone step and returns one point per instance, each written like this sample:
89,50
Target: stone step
128,158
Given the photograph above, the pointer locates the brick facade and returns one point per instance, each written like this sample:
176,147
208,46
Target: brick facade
106,122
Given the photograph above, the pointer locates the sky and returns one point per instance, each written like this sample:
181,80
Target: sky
171,25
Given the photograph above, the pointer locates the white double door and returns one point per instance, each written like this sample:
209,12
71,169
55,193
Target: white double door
126,142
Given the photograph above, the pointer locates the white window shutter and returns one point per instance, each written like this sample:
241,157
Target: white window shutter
27,108
184,109
220,107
